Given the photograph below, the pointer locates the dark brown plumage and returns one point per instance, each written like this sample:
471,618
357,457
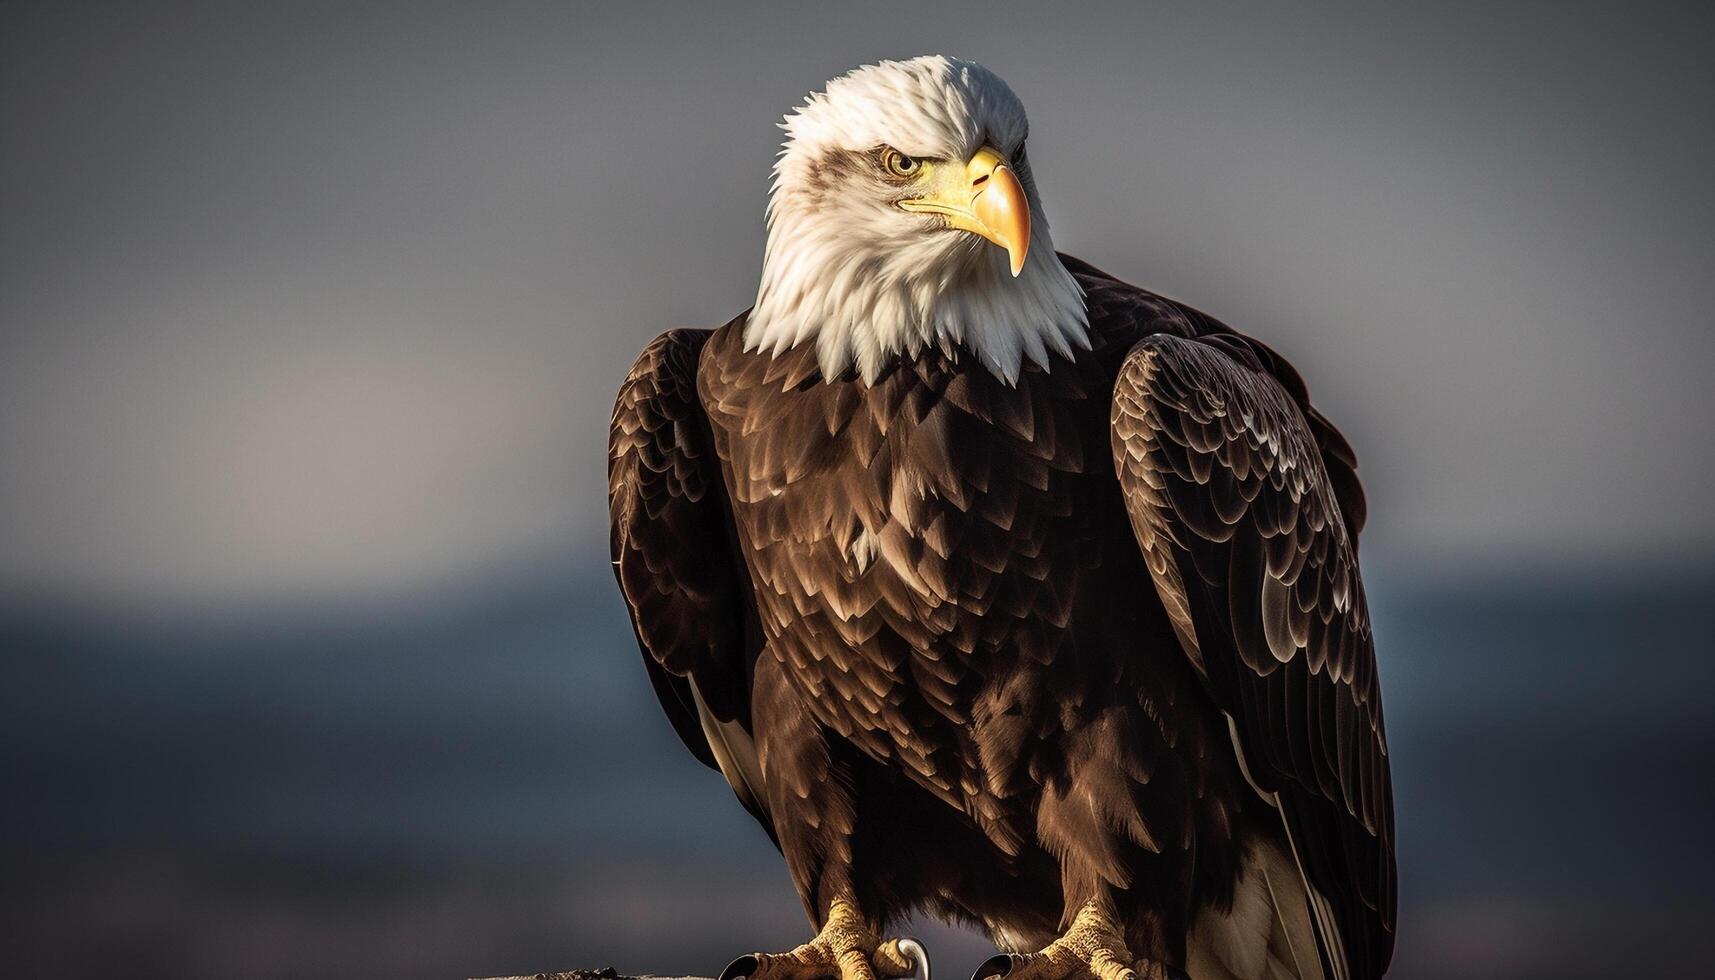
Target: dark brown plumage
974,648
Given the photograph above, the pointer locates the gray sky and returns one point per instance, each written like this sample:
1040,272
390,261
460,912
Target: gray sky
309,301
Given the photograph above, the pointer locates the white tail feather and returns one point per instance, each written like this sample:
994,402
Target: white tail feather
734,752
1267,934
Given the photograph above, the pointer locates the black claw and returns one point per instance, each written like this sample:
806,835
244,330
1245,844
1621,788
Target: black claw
995,967
919,955
740,968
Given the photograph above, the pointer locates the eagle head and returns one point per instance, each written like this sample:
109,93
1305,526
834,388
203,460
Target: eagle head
904,216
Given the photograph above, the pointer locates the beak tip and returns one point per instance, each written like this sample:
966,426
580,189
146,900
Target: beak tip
999,208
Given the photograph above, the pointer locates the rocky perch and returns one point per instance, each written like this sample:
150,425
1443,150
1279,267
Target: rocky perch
605,973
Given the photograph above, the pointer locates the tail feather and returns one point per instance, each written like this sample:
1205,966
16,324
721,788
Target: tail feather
735,752
1267,934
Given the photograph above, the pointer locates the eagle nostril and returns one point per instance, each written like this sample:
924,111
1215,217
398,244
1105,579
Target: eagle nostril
980,181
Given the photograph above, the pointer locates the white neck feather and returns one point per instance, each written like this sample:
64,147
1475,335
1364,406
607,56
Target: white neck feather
863,312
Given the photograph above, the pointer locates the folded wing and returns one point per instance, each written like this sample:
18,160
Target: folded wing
674,554
1246,506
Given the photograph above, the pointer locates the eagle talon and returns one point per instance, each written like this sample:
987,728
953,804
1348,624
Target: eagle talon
844,949
1093,948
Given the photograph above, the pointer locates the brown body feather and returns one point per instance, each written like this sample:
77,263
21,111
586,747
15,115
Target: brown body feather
958,635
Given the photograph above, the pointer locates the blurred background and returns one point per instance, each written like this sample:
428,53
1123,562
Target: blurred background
312,317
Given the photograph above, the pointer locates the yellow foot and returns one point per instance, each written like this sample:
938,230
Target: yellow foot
845,949
1092,949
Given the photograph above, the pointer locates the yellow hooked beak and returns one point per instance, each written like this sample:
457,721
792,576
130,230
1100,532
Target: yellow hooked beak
987,199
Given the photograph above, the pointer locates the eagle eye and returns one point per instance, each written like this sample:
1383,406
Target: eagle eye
898,164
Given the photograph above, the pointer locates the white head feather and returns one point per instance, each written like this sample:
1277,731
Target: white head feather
867,281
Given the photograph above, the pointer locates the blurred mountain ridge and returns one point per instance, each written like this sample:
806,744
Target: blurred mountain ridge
480,779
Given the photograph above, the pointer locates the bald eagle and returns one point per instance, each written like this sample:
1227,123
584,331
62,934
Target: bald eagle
1000,589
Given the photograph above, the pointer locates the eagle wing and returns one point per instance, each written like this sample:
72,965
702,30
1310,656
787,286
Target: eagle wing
675,556
1246,505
